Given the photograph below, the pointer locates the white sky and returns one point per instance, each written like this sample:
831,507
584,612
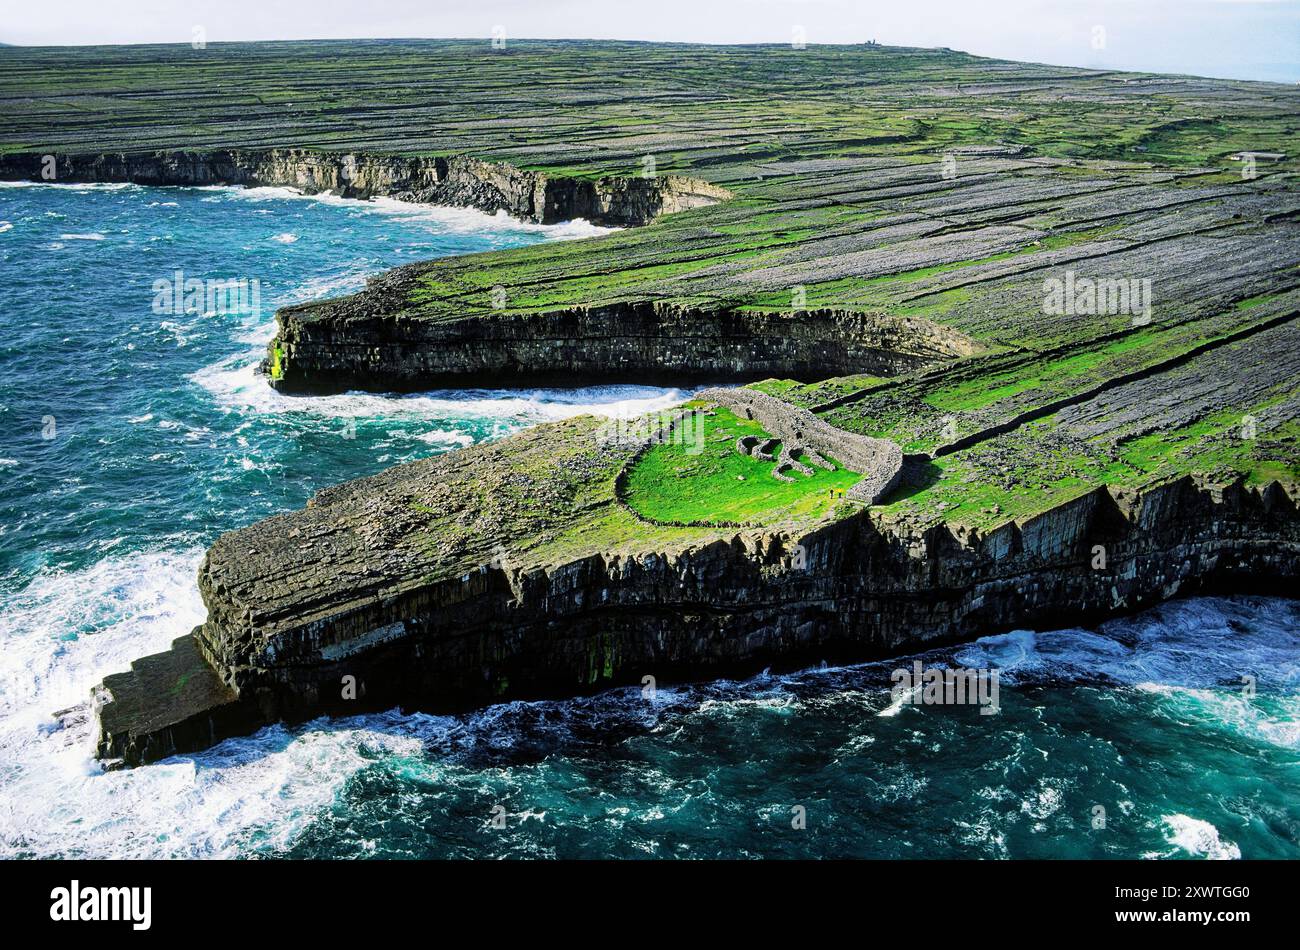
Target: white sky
1248,39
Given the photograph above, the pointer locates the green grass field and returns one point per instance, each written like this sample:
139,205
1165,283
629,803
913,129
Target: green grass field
929,191
675,483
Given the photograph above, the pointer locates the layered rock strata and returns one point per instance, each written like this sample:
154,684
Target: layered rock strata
421,590
445,180
371,341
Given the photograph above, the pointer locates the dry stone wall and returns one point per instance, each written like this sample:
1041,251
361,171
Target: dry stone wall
879,460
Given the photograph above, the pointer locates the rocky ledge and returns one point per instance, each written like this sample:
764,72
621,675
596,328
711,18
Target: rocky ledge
511,571
372,341
461,181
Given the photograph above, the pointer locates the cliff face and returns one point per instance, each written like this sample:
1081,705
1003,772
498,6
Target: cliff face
855,588
368,342
373,341
452,180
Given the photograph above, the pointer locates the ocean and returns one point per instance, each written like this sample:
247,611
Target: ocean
135,431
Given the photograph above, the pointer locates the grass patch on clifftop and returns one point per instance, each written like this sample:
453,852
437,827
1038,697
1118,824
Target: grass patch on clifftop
921,198
708,480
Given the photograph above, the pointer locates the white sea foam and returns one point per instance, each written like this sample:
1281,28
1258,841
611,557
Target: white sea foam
66,627
1046,801
446,437
61,634
94,236
472,220
903,698
74,186
448,219
1268,718
1193,644
5,226
1199,838
1195,657
236,385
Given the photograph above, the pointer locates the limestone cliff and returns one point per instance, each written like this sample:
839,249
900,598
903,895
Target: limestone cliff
437,585
456,180
371,341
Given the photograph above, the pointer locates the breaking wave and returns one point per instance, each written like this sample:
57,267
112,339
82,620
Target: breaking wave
705,765
455,220
1181,722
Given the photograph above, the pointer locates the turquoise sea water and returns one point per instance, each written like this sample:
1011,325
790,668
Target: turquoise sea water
131,438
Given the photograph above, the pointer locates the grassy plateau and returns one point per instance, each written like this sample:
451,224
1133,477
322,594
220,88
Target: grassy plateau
937,191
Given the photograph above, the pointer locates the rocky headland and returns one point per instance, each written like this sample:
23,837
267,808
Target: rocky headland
386,591
454,180
876,240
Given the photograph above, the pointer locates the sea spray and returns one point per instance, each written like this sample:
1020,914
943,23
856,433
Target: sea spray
159,448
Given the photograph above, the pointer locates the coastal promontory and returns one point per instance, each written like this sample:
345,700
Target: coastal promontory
1018,345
